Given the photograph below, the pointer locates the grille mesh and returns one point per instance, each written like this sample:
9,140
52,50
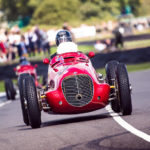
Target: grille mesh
78,89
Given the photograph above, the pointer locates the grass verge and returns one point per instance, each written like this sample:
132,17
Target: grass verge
137,44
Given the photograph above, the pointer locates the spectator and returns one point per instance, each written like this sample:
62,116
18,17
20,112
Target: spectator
23,47
99,46
45,42
109,45
38,33
16,37
119,37
32,42
3,57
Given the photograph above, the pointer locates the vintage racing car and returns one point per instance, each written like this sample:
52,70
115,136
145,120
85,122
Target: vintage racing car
23,68
75,87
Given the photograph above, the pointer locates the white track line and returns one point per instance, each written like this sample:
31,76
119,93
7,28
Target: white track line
127,126
2,94
4,103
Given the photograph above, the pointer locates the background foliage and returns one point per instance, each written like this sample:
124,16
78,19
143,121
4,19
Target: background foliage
55,12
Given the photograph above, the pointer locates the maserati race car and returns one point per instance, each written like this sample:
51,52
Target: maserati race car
74,87
23,68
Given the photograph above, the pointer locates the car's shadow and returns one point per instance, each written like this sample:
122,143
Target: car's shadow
70,120
75,119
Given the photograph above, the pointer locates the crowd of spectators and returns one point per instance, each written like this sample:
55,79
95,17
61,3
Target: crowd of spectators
15,44
121,29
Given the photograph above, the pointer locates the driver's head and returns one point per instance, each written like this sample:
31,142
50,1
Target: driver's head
63,36
23,61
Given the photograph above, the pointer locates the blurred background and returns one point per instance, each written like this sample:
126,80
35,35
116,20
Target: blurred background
112,29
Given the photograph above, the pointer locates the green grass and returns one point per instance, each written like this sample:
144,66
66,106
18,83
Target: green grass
138,67
2,89
137,44
130,68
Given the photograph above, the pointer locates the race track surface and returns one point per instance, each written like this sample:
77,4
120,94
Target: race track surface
97,130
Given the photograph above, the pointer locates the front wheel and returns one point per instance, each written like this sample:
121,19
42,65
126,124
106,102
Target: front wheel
33,109
123,90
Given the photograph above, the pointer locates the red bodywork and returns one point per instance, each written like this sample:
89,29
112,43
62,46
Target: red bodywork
30,69
73,68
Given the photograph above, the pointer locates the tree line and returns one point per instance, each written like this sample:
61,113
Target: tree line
55,12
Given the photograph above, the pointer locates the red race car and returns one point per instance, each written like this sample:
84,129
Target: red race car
26,68
21,70
75,87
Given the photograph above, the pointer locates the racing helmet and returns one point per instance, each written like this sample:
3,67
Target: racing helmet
23,61
63,36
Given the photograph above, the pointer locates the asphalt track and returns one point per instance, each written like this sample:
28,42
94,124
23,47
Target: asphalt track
97,130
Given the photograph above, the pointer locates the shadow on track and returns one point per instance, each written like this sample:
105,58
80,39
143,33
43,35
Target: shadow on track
71,120
76,119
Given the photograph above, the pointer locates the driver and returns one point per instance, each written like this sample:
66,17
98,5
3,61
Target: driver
65,43
23,61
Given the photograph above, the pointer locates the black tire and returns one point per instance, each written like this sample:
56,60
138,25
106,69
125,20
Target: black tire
124,93
10,90
34,112
111,68
22,96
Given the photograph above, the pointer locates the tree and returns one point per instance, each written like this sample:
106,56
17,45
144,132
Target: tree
101,9
144,7
89,10
14,8
55,12
52,12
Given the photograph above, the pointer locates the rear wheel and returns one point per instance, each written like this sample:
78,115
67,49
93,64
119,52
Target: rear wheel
123,90
22,97
33,109
111,68
10,90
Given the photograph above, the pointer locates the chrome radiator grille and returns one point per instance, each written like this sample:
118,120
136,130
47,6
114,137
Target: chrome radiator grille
78,90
